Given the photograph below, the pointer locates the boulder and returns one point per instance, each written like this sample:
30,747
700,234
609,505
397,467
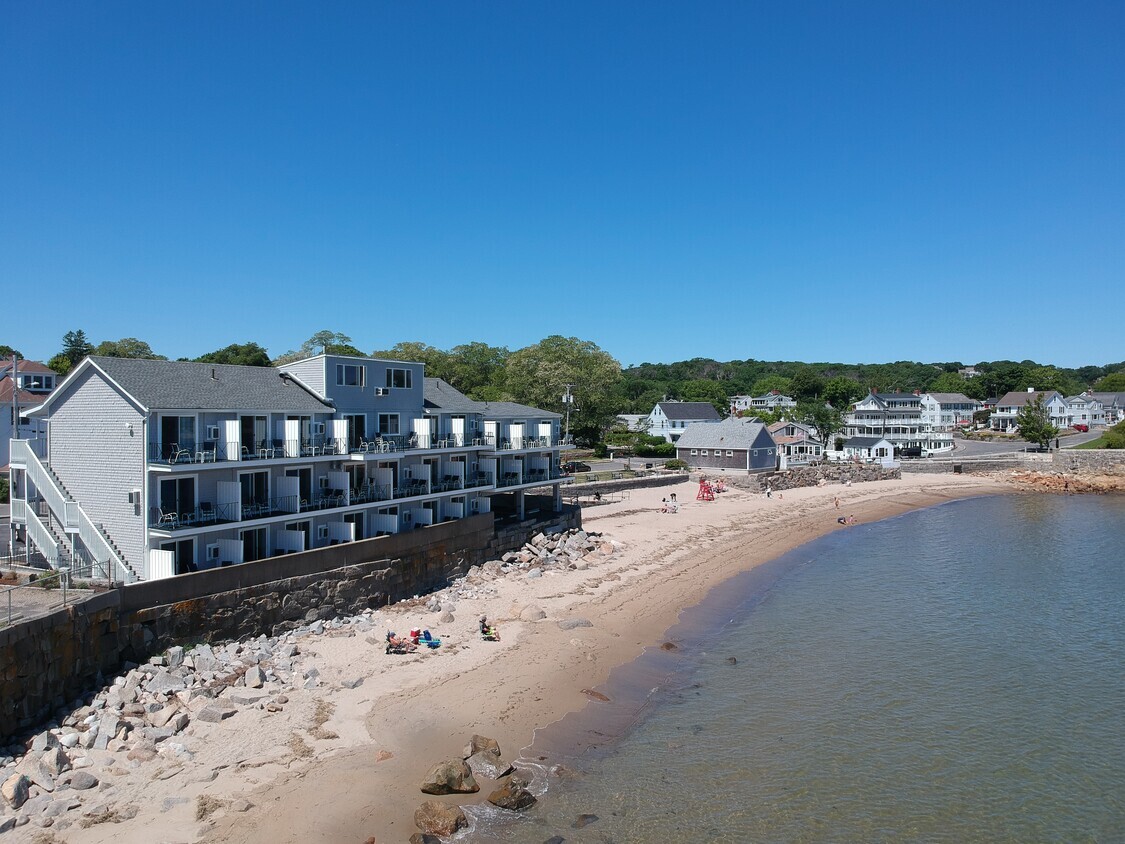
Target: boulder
438,819
162,681
255,677
478,743
571,623
55,761
175,657
532,613
33,769
82,780
446,618
452,776
15,790
512,795
418,838
489,765
162,716
215,712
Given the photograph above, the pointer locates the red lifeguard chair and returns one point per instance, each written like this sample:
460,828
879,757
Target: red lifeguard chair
706,491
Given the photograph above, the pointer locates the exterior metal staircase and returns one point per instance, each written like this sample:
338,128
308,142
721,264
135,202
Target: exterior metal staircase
105,557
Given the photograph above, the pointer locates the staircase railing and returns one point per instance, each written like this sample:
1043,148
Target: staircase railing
71,514
45,483
38,533
105,556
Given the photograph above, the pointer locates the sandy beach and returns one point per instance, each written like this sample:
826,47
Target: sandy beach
343,764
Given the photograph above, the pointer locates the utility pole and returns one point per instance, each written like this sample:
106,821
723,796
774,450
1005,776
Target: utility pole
568,400
15,436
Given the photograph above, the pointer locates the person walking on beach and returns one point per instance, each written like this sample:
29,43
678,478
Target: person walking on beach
769,491
836,500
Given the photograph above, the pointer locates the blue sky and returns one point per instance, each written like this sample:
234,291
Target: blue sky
851,181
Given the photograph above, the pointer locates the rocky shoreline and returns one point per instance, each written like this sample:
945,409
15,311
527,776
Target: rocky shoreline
147,718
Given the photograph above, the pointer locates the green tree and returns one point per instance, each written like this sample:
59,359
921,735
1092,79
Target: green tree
1048,378
76,346
127,347
841,391
772,382
948,382
826,419
1034,422
806,384
238,354
477,370
701,389
60,363
7,351
538,375
1112,383
322,343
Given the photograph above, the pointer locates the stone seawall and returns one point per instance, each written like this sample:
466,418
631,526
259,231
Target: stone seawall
47,662
1101,460
1095,461
804,476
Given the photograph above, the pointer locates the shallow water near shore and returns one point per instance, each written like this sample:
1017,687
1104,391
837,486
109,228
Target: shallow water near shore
950,674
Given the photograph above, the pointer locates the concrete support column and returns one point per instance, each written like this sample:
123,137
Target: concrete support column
520,504
558,504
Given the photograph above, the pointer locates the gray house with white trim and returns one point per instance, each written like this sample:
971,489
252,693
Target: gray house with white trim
732,445
669,419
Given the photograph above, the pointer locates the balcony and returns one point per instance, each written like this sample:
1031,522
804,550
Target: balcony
178,454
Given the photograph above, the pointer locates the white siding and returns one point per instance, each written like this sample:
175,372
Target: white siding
99,459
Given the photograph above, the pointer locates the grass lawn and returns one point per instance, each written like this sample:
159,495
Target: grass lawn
1098,443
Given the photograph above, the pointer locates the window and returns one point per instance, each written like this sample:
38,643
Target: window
695,452
255,545
400,378
730,453
702,452
388,423
351,375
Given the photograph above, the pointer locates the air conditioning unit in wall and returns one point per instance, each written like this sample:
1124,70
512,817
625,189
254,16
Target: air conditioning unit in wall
318,428
213,552
382,391
212,432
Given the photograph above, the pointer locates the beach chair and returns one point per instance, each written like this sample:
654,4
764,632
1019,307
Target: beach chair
428,640
396,645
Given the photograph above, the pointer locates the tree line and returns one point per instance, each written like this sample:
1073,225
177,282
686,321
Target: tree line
538,375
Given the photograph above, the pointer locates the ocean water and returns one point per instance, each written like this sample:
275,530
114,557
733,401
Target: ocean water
953,674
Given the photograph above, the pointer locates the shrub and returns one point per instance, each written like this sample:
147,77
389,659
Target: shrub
600,450
3,490
1115,436
662,449
675,464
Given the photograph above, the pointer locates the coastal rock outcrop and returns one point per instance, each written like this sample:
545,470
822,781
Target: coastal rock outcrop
512,795
489,765
438,819
452,776
479,743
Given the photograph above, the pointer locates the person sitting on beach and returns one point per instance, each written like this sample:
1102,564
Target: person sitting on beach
841,520
488,631
851,520
396,644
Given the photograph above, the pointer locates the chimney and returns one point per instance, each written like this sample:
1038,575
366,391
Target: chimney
213,376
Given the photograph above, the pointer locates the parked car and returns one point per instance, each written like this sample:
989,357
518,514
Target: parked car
1078,426
573,466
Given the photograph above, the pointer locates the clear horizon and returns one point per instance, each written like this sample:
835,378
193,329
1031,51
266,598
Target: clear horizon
836,182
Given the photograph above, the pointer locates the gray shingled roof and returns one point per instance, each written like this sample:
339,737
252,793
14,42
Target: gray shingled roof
731,433
952,398
863,442
689,411
443,396
179,385
1017,398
